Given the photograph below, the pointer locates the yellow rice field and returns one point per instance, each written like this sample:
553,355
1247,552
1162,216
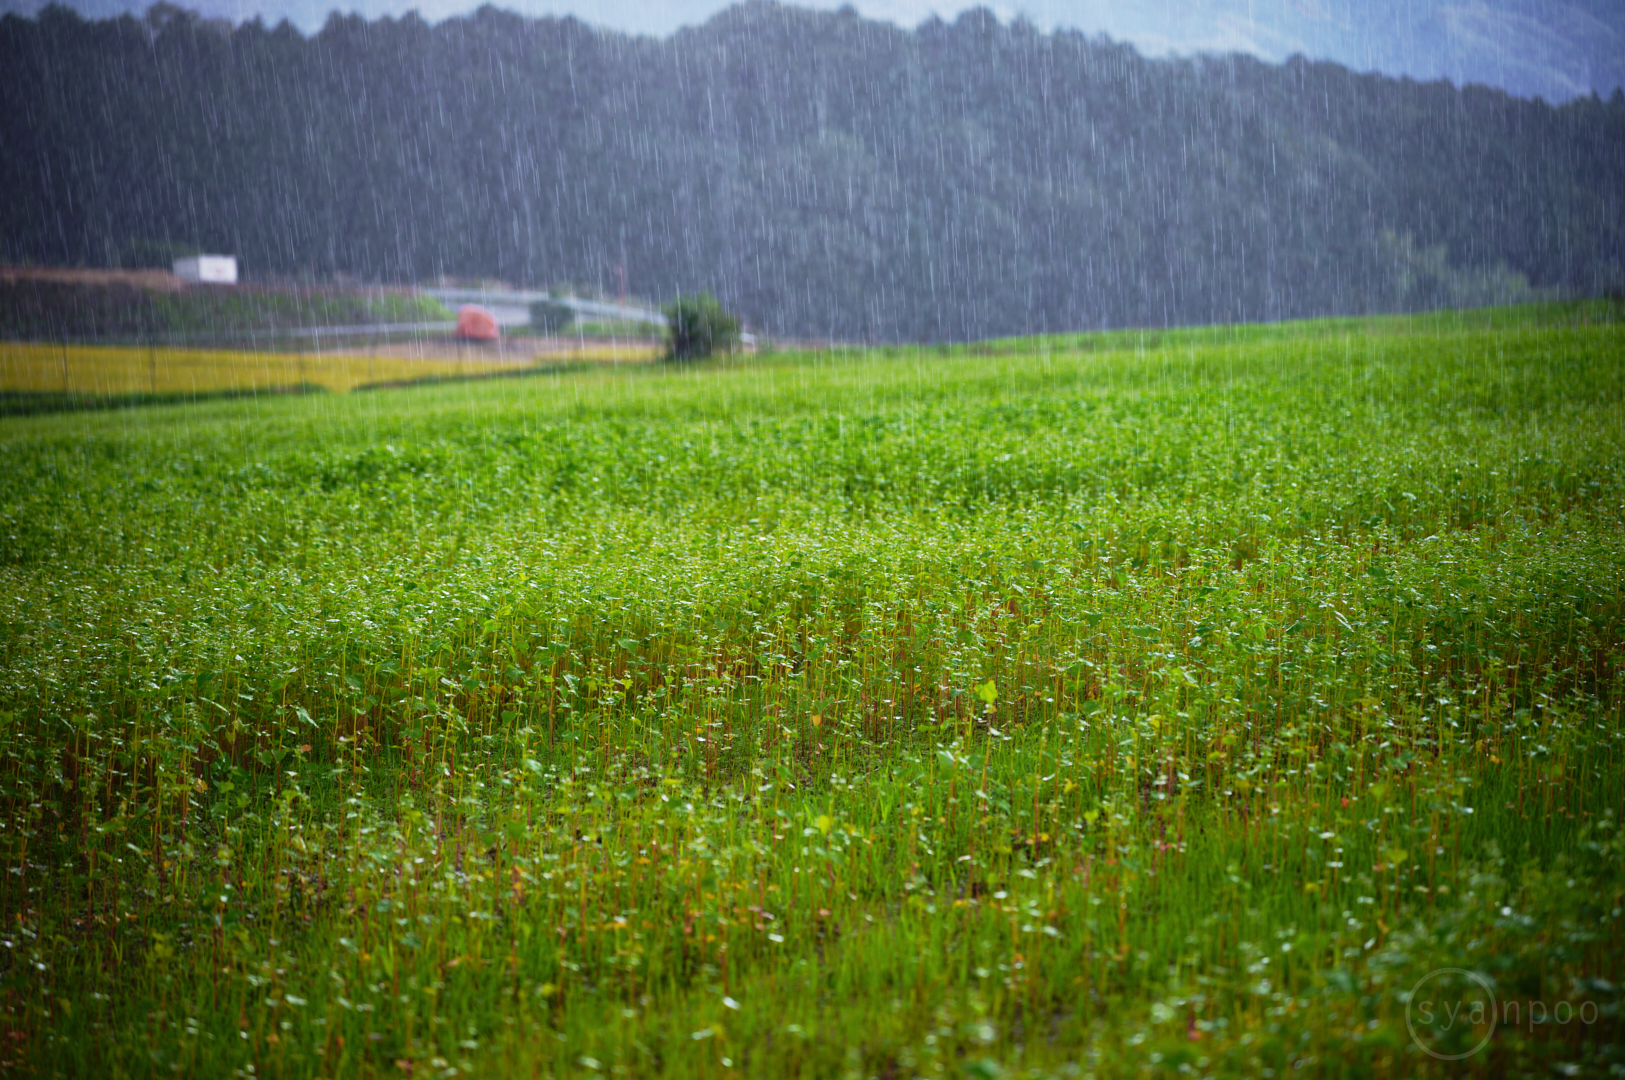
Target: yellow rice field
103,370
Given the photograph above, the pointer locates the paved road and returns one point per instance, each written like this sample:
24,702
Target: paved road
369,328
512,306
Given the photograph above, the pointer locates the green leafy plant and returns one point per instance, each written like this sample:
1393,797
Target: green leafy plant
1172,707
698,327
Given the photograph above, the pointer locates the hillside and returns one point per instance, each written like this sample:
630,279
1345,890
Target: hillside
824,174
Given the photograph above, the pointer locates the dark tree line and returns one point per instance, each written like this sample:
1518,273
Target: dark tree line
822,174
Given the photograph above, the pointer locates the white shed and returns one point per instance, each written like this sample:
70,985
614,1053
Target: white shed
208,269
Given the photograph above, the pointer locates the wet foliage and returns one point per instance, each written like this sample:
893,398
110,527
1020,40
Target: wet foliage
1065,706
699,328
827,176
46,310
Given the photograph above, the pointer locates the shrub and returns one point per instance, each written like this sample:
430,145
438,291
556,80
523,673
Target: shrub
550,316
698,326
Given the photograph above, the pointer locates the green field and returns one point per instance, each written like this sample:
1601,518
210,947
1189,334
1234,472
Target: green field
1113,705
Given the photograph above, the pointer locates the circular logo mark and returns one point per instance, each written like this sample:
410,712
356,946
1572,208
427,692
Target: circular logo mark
1451,1013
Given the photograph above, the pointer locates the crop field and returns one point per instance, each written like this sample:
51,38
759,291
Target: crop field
111,371
1206,703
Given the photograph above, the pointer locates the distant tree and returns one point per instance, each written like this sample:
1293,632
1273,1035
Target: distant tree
948,183
550,316
142,254
697,326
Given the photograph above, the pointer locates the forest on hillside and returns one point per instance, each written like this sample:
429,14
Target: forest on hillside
825,175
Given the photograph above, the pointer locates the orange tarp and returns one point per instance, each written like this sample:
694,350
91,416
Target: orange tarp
474,323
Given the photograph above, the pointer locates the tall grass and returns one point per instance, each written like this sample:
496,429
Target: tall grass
1062,707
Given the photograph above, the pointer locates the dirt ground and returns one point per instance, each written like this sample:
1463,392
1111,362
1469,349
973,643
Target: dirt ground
156,280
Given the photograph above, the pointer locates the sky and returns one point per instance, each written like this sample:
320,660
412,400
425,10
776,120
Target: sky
1557,49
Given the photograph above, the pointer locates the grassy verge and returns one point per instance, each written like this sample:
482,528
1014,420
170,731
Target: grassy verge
1077,708
112,372
40,378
